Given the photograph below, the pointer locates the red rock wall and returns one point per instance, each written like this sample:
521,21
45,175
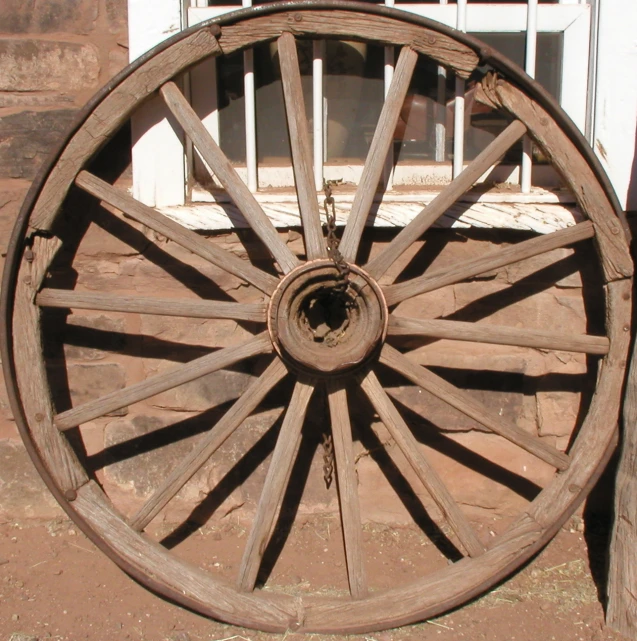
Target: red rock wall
54,54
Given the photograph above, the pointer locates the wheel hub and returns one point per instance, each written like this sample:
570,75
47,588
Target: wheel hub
319,327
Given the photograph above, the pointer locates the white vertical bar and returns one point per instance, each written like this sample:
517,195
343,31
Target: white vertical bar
458,123
318,117
388,170
529,66
250,114
589,126
441,111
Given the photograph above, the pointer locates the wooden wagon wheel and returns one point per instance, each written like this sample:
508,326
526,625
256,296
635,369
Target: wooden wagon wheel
366,331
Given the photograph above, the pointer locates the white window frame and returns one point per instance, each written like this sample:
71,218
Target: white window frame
160,179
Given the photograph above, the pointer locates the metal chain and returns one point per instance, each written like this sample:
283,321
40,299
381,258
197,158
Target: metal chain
342,281
328,459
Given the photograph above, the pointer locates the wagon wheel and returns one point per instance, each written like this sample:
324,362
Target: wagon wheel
366,331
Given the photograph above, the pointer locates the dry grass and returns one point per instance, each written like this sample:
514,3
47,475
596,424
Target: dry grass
567,585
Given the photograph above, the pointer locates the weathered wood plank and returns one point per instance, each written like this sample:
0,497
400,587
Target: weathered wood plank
497,335
564,156
276,481
174,377
182,236
394,210
209,444
493,260
351,25
32,381
185,307
621,613
408,445
227,175
114,109
301,149
445,199
347,490
375,161
466,404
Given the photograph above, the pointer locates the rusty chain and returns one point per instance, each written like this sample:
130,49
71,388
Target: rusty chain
342,284
328,459
342,280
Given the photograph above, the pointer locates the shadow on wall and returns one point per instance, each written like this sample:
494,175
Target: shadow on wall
631,198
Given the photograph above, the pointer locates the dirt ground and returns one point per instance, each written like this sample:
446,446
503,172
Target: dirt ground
54,584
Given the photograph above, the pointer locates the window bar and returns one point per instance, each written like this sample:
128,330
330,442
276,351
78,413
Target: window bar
458,121
389,75
318,114
526,169
441,110
250,114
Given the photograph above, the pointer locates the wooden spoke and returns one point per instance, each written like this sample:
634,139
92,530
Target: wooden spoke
231,420
464,403
497,335
410,448
184,307
176,232
381,143
276,481
174,377
347,489
445,199
493,260
301,148
225,172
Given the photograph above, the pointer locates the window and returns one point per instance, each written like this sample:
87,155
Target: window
240,102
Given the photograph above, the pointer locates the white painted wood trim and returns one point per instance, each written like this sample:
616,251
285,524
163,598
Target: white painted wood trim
480,17
526,170
575,68
159,179
537,217
616,99
318,112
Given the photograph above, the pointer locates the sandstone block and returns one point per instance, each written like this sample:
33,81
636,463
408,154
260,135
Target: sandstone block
11,196
48,16
142,466
24,495
31,99
557,412
106,331
87,383
41,65
505,402
206,392
117,16
486,475
117,60
27,138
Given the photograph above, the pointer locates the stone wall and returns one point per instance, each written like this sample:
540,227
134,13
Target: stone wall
54,54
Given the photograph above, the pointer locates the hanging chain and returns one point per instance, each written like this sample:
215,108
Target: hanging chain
342,283
342,280
328,459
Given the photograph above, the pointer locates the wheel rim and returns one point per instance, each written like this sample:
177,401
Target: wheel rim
289,332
